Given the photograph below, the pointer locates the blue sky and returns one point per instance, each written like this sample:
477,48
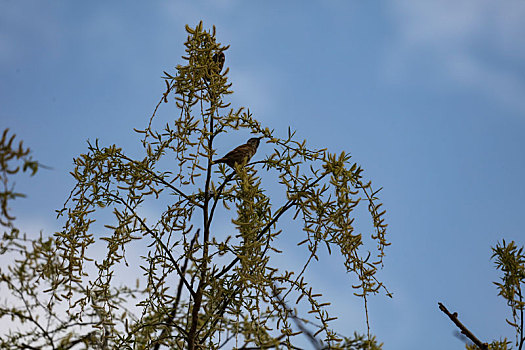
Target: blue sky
428,96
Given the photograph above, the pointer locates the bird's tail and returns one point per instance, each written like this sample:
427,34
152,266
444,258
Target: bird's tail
217,161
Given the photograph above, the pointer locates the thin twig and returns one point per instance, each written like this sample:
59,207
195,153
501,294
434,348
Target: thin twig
522,337
173,312
164,182
281,211
218,194
464,330
159,241
298,322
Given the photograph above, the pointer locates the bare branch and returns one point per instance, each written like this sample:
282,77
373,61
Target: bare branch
464,330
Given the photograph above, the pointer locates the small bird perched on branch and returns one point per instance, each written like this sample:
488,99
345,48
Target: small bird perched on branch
218,59
241,154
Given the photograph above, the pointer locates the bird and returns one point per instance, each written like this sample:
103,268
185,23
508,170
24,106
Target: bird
218,59
241,154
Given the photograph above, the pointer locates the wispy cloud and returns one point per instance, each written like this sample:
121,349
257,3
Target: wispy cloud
476,43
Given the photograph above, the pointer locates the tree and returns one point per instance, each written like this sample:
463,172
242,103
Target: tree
204,288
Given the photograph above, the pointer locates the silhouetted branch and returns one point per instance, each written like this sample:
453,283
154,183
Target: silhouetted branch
159,241
298,322
173,312
464,330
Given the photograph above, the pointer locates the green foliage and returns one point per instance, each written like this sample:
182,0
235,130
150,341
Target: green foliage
359,342
511,262
10,158
205,286
495,345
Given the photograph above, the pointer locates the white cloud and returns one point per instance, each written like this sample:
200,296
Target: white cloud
477,43
451,24
499,83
